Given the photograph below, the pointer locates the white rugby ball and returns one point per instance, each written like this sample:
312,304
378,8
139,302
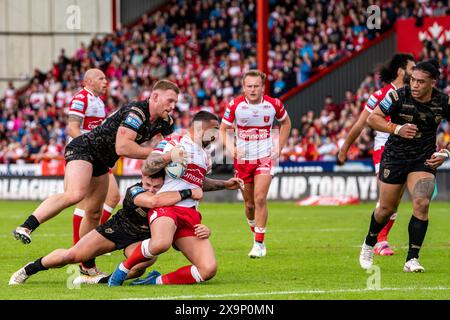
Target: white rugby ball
174,170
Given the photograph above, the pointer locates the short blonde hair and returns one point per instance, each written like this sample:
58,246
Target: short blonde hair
254,73
165,85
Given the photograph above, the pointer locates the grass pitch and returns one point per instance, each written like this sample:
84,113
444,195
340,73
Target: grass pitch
312,254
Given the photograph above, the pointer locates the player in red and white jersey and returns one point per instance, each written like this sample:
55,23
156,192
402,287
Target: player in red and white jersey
10,96
175,225
396,74
87,111
252,115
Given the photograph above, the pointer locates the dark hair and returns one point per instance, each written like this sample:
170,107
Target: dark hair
160,174
205,116
429,66
388,71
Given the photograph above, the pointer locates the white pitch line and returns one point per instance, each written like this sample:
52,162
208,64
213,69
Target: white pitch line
247,294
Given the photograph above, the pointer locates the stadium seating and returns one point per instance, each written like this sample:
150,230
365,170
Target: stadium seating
205,47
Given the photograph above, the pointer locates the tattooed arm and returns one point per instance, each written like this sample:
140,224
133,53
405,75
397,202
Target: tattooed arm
214,185
73,125
155,162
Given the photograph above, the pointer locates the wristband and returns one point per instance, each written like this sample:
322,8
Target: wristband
443,153
397,129
185,193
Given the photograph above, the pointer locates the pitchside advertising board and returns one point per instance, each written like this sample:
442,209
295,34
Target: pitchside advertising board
285,187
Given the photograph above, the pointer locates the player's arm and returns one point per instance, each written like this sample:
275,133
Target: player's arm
158,159
354,133
388,106
285,130
126,145
214,184
438,158
164,199
74,125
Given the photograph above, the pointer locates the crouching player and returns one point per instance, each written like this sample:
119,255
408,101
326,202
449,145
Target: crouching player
174,225
125,230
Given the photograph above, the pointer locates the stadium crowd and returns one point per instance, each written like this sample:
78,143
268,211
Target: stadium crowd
204,47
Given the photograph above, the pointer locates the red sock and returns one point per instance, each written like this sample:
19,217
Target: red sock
136,256
382,236
259,234
107,212
184,275
78,215
251,224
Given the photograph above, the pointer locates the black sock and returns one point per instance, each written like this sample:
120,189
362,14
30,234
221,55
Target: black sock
35,267
31,223
417,229
374,230
89,263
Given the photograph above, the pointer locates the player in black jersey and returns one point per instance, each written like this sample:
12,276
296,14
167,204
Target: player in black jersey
89,156
125,230
410,159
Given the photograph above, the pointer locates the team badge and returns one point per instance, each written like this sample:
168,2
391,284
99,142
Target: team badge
266,118
386,173
109,230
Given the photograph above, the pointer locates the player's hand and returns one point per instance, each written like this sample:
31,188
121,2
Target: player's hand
202,231
197,194
408,131
438,158
234,183
341,157
179,155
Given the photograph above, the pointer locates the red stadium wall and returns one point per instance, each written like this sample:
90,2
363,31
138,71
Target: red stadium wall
410,35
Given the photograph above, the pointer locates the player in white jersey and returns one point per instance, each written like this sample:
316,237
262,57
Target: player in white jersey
87,111
396,73
175,225
252,116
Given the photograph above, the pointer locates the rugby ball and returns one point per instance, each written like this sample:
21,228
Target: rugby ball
174,170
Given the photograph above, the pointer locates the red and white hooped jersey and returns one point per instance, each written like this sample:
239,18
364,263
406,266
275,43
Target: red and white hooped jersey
253,124
89,107
373,101
195,173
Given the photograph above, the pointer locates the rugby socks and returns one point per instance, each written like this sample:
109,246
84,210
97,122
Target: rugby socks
251,224
184,275
107,212
417,229
140,254
374,230
34,267
31,223
78,215
89,264
259,234
382,236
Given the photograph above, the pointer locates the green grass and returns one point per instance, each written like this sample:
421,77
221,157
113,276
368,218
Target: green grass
312,254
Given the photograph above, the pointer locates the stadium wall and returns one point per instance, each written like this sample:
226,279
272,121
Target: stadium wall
132,10
345,74
32,33
285,187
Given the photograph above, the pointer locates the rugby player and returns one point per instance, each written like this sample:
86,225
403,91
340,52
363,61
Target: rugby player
125,230
252,115
90,156
396,73
174,225
409,159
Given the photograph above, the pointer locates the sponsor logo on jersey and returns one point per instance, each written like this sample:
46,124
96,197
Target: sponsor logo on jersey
254,134
133,121
136,190
227,113
161,145
79,96
194,174
77,105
